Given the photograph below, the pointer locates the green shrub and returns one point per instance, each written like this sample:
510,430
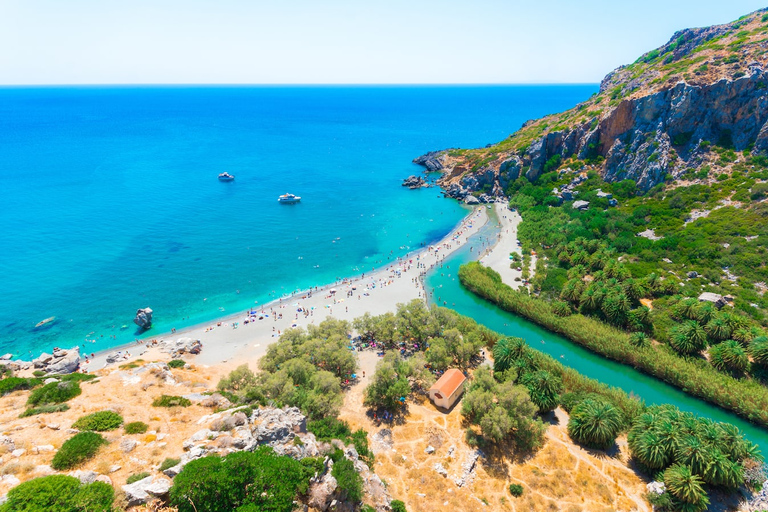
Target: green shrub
10,384
136,477
44,409
171,401
169,463
54,393
136,427
77,449
59,493
38,373
398,506
176,363
350,482
260,480
516,490
99,421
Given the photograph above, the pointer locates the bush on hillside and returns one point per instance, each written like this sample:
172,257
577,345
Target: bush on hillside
44,409
55,393
59,493
261,480
99,421
171,401
136,427
398,506
10,384
516,490
176,363
77,449
350,482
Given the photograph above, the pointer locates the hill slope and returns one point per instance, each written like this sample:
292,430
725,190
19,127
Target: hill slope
654,118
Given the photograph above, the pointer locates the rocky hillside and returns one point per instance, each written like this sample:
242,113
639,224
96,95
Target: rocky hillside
653,119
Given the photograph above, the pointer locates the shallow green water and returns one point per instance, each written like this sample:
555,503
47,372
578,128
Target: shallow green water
444,284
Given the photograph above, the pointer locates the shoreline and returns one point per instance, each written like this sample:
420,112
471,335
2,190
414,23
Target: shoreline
228,337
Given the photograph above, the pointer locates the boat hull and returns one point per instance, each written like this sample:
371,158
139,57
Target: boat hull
227,179
289,201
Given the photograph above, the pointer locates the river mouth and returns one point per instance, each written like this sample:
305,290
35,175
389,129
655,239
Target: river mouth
443,283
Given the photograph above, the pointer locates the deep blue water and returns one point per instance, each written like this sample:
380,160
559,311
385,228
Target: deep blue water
109,199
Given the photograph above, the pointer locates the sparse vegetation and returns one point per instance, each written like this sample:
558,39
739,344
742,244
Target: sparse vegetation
176,363
171,401
136,477
99,421
136,427
168,463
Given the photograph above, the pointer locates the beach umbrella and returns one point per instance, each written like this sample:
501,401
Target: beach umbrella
333,290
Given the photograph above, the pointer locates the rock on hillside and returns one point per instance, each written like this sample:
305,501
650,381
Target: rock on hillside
653,118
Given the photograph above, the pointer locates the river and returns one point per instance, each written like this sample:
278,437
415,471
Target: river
444,283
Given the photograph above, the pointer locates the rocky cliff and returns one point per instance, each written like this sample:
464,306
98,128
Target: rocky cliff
653,119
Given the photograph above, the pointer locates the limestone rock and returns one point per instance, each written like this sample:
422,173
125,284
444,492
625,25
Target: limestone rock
413,182
321,493
143,318
173,471
67,363
85,477
429,449
216,400
145,490
127,445
18,452
433,160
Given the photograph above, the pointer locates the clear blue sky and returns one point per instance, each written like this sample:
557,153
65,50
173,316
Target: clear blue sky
337,41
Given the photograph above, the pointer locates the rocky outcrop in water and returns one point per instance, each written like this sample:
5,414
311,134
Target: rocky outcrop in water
413,182
143,318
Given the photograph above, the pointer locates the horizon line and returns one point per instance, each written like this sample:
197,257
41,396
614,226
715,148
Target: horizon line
295,84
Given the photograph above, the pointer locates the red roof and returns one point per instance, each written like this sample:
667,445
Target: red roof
449,382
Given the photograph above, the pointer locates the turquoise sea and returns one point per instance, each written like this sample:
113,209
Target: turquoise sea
110,201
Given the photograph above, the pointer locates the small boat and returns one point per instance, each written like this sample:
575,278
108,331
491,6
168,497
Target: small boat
225,176
46,321
288,199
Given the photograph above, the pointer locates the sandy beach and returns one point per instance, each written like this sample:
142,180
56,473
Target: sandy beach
244,337
498,257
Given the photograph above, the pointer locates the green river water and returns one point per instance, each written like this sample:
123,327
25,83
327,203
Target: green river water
444,283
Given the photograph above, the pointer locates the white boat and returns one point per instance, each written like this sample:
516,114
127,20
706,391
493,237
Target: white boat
288,199
225,176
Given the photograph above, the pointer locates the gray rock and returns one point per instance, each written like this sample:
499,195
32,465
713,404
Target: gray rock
438,467
6,357
173,471
433,160
44,470
50,380
321,492
86,477
471,200
143,318
692,274
429,449
145,490
580,205
127,445
413,182
42,360
67,364
216,400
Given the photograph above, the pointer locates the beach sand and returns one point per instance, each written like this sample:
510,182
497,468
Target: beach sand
498,257
231,340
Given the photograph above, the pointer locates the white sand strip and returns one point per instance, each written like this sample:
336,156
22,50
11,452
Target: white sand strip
230,339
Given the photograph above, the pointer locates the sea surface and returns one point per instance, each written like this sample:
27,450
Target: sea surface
109,198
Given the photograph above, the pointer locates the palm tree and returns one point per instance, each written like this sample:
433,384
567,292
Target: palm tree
544,388
591,298
722,472
506,351
688,337
729,356
705,312
758,349
648,448
687,309
718,328
595,424
639,339
694,453
685,486
746,334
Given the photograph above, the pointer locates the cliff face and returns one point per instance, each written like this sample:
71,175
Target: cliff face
653,118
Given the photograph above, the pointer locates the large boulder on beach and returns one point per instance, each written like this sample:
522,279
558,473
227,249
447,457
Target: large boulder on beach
143,318
67,363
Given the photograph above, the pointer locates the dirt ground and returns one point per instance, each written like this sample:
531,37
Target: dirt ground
124,391
560,476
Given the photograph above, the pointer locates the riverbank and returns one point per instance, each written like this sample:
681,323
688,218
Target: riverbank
245,336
